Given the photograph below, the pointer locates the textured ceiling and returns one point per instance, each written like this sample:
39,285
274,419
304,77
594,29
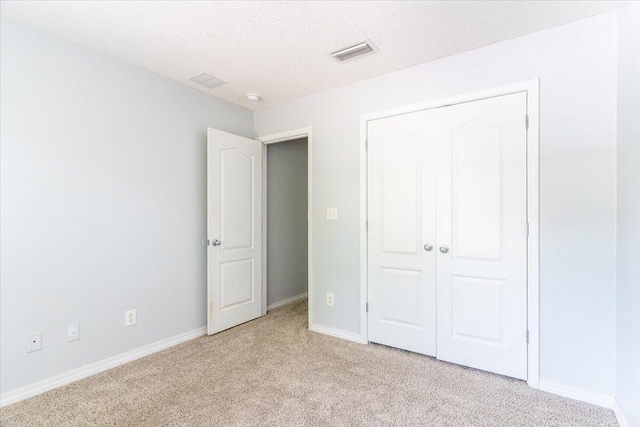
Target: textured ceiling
280,49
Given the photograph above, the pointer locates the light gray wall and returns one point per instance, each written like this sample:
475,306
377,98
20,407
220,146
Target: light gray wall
286,220
103,188
628,293
576,64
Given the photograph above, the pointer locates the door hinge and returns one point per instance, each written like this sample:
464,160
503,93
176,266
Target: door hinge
366,225
527,336
527,228
526,121
366,307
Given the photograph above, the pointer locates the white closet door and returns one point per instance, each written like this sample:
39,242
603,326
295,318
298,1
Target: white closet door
234,228
482,234
401,214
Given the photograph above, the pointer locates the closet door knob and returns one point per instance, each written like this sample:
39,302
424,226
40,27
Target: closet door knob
428,247
216,242
444,249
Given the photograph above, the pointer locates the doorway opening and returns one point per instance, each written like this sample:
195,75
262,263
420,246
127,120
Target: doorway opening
286,225
286,271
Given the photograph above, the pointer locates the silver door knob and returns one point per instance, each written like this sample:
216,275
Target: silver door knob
444,249
428,247
216,242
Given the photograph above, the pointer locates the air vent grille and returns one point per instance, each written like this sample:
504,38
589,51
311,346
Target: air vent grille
207,80
353,51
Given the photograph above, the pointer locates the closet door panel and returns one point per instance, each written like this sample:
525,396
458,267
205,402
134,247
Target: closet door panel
401,215
481,234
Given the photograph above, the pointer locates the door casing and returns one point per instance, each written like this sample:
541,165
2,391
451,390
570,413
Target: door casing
531,87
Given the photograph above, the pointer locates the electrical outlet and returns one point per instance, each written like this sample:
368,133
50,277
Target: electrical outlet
130,317
73,332
34,342
330,299
332,213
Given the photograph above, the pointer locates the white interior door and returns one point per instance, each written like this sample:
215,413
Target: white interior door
234,175
482,234
401,215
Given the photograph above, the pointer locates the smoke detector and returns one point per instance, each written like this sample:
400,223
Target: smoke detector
359,49
253,97
207,80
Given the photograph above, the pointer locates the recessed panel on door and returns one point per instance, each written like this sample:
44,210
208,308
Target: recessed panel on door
401,221
400,193
481,234
477,194
400,297
236,283
477,309
237,199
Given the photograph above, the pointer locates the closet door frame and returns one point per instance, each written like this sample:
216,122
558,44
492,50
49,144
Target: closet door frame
531,87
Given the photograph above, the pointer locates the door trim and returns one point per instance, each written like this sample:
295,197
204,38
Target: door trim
274,139
531,87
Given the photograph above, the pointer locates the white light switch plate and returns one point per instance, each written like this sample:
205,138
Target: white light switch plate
332,213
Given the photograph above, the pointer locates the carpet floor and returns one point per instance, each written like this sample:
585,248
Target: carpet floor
273,371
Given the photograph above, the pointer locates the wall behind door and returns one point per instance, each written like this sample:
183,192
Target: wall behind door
286,220
576,64
103,203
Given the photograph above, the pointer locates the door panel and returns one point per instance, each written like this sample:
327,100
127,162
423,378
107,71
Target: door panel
236,282
477,190
400,296
401,197
400,193
234,219
236,173
477,308
481,218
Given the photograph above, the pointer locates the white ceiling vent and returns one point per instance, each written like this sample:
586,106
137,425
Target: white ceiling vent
207,80
355,50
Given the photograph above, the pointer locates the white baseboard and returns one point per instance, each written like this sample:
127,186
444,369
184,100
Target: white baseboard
622,420
287,301
578,393
338,333
97,367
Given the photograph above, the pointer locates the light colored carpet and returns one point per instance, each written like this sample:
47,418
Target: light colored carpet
274,371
